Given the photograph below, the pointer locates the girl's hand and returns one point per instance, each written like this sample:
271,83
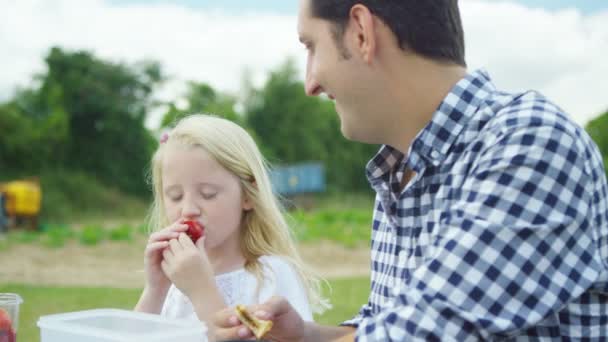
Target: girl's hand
156,280
188,267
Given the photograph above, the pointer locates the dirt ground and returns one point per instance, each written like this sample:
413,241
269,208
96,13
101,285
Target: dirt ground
119,264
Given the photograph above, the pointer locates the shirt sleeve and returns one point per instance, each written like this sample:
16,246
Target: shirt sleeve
355,321
513,244
282,280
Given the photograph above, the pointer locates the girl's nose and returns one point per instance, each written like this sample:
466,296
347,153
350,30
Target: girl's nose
190,209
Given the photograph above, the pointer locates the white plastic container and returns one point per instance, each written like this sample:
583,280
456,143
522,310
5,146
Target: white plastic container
115,325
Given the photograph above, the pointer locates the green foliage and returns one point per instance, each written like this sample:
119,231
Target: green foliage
202,98
598,130
107,103
121,233
92,235
84,114
56,236
347,297
71,195
25,236
30,142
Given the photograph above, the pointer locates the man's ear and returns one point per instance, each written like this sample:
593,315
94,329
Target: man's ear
363,32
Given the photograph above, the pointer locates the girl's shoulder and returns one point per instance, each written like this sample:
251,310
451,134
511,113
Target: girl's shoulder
277,264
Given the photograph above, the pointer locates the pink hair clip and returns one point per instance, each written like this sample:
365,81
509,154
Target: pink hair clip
164,137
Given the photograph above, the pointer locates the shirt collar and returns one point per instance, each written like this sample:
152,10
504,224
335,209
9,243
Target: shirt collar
435,140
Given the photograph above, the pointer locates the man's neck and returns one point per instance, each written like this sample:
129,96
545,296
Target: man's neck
420,85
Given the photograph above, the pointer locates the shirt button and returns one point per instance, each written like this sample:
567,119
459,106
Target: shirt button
434,154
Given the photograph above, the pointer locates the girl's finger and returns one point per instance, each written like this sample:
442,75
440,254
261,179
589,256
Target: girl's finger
155,246
185,240
163,235
176,244
200,244
164,265
178,226
168,254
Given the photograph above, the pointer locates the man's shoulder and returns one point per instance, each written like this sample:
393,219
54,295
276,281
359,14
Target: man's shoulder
529,108
527,111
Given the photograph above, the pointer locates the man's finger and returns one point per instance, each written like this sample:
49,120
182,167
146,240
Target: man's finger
233,333
226,318
274,306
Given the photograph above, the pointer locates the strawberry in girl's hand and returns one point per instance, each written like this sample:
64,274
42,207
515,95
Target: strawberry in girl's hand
195,230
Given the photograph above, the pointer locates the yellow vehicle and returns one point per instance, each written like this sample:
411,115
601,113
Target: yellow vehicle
22,201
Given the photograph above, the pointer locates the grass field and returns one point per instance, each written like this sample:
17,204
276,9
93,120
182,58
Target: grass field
348,294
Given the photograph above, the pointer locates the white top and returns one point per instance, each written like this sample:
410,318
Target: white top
239,287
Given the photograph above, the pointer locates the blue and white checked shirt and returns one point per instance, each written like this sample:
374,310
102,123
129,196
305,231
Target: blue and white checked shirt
501,235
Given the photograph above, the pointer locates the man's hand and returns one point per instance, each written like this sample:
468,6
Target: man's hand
287,323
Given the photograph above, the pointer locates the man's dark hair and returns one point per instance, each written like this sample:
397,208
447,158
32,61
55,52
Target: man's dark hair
430,28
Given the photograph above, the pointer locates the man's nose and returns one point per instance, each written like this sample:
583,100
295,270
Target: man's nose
311,86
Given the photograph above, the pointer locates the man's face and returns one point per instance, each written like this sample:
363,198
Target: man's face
332,69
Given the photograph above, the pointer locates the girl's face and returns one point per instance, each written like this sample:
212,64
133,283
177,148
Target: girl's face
197,187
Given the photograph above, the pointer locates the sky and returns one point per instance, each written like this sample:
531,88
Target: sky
557,47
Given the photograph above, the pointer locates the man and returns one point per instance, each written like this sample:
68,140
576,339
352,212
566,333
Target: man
491,218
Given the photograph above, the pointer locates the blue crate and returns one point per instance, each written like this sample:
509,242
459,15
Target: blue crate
298,179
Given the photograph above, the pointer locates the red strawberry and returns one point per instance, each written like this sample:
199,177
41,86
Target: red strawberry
7,334
195,230
5,321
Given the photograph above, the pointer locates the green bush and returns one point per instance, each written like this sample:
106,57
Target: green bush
121,233
56,236
76,196
25,236
92,235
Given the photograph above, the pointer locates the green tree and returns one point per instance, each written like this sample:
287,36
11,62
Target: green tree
107,104
598,130
29,141
202,98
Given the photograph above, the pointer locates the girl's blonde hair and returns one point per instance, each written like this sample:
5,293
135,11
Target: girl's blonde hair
265,230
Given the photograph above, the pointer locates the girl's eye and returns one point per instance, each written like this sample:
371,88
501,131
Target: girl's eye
175,198
209,196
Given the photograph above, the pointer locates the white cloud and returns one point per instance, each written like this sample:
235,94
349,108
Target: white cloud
559,53
563,54
204,46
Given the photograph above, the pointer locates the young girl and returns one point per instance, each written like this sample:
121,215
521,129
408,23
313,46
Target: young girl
209,170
